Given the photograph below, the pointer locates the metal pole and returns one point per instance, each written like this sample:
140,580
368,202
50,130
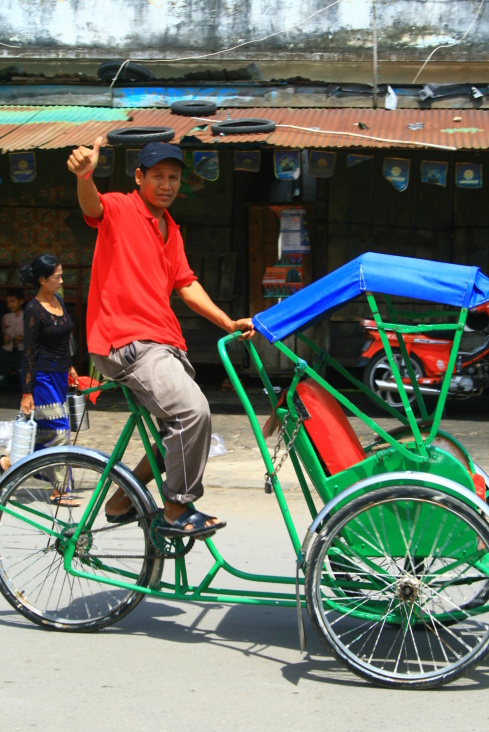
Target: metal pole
374,44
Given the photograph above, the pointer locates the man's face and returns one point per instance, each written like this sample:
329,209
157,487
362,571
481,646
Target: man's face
160,185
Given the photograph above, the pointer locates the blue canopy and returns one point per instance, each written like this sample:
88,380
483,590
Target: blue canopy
423,279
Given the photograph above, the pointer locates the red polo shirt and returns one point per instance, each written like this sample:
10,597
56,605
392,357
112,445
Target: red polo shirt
133,274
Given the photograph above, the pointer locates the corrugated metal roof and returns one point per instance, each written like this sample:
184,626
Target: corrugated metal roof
378,128
26,128
72,115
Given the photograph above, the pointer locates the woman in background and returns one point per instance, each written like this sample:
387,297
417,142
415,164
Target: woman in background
46,363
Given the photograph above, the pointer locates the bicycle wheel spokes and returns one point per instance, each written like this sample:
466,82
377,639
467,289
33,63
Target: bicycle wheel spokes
36,536
396,585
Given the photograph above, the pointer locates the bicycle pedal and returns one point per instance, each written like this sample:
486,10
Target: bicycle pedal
169,547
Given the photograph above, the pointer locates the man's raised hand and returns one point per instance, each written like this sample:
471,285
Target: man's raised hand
83,160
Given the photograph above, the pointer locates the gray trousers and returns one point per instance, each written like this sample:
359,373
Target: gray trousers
162,379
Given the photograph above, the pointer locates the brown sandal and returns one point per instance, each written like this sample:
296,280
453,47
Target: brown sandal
64,499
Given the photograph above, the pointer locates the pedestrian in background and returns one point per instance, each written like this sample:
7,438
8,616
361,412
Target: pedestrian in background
46,363
12,334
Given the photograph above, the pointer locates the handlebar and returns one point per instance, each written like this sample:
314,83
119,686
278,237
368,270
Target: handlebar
103,386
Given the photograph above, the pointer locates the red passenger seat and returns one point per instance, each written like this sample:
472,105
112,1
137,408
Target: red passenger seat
329,429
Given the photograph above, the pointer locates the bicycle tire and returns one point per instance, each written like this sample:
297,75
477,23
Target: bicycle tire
140,135
193,107
32,575
407,625
242,126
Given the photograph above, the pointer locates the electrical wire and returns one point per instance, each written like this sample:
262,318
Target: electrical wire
226,50
318,131
371,137
118,72
449,45
248,43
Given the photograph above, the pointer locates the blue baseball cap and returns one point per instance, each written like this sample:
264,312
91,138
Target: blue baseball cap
155,152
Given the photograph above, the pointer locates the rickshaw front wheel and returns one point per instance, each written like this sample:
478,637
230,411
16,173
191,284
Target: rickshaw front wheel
393,586
35,535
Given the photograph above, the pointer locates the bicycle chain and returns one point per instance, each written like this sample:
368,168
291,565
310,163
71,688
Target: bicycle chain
288,448
168,548
148,516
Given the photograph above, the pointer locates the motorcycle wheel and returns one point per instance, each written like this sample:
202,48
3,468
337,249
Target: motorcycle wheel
379,369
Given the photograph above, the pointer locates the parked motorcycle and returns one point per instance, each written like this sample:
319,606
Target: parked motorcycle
429,355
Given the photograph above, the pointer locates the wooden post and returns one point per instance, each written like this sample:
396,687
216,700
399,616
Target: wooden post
374,45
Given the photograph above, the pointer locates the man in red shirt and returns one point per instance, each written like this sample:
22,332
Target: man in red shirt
134,336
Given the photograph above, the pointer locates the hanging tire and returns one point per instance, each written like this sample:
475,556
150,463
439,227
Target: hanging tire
394,587
131,71
193,107
140,135
242,126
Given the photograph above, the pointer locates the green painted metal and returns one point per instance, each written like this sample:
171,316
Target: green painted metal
323,359
409,452
349,404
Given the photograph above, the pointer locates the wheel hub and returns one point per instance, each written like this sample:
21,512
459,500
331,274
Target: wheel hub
407,589
83,545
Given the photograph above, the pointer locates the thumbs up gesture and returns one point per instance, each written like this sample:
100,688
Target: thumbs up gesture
83,160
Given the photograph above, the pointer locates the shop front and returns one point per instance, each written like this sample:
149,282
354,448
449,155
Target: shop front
262,213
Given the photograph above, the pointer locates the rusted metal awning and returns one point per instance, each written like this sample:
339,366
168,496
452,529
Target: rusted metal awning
47,128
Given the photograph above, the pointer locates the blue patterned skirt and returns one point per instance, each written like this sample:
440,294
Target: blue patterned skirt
53,420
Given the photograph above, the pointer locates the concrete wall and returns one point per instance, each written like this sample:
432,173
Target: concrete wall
169,29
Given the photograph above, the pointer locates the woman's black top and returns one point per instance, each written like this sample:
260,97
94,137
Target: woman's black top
46,342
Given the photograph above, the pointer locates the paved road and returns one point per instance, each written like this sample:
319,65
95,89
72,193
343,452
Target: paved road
215,667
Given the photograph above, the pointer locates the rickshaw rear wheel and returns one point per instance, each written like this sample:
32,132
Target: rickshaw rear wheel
390,583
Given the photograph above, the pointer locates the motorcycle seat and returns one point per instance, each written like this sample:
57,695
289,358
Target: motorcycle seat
440,335
471,344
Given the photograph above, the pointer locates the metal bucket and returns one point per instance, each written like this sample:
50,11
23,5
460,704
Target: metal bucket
78,413
23,437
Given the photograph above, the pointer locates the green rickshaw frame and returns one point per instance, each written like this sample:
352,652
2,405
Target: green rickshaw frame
406,458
